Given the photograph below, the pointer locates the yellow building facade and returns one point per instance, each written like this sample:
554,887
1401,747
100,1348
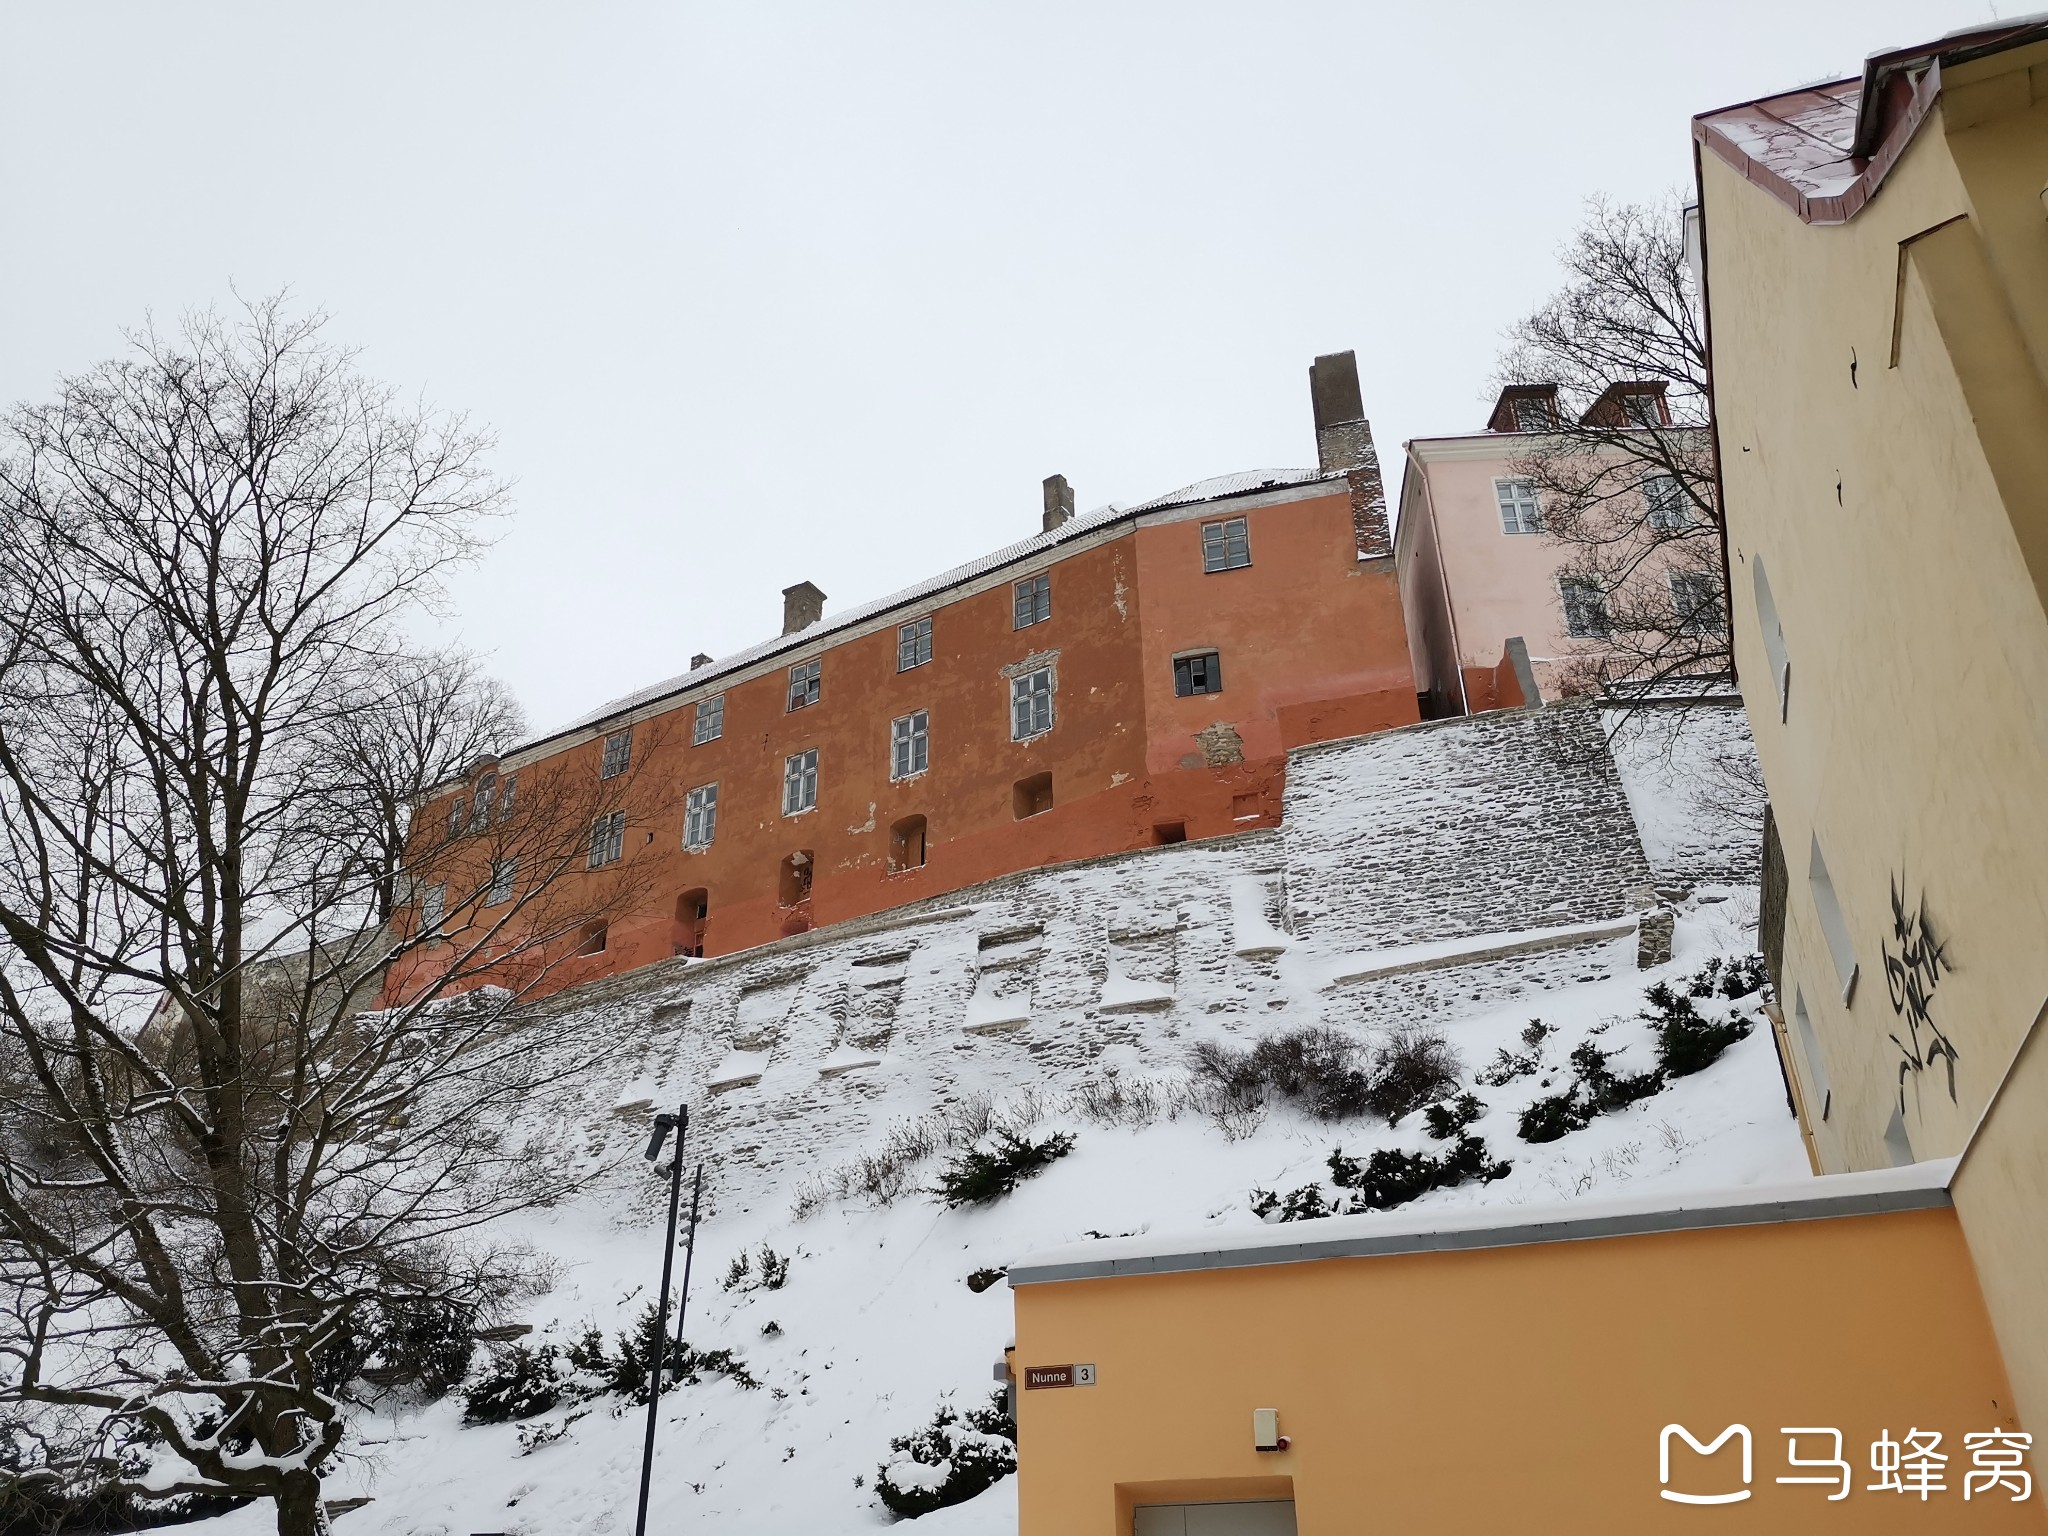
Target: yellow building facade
1875,264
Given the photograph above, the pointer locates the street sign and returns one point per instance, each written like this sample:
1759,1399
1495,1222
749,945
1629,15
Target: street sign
1059,1376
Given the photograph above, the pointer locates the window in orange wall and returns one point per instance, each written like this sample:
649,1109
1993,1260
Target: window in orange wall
607,839
1226,546
1033,601
1031,704
1200,672
906,845
913,644
709,723
910,745
799,782
803,684
1032,796
618,754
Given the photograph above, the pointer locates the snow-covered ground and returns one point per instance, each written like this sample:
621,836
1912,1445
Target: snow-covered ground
1465,909
877,1324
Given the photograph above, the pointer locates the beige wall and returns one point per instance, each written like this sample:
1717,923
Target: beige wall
1898,509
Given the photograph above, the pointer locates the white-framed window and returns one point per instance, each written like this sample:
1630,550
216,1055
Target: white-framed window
1200,673
799,782
1775,650
1664,498
504,877
709,723
910,744
433,907
1226,546
1834,926
618,754
481,801
700,816
1031,704
607,839
507,787
1519,512
1696,599
1532,414
1640,408
913,644
458,817
803,684
1033,601
1585,607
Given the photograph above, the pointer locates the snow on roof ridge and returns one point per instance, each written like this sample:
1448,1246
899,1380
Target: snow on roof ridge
1086,522
1463,1227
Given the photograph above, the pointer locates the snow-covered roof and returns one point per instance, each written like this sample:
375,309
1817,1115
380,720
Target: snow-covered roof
1919,1186
1221,486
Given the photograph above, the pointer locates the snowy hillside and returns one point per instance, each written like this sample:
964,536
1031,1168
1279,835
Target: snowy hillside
1065,1001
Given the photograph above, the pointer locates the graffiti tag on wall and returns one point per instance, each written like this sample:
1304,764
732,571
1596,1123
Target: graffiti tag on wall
1913,962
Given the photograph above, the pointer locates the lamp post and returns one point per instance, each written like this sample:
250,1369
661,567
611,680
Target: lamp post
679,1122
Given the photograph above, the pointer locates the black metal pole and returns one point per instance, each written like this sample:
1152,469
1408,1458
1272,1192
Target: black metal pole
659,1342
689,1257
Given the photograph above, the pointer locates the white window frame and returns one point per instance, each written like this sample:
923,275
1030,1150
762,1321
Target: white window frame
700,817
504,882
709,722
1028,692
433,908
1664,503
1589,590
618,754
508,786
1226,546
480,802
1520,511
806,681
1031,600
800,782
458,816
910,747
914,644
607,839
1701,616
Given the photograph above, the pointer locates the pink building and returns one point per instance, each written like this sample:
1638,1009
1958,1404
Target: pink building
1492,621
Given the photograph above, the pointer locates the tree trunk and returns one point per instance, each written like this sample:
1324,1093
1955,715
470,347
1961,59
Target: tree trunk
300,1511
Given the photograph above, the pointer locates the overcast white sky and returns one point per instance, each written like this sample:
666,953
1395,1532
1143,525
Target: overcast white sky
758,293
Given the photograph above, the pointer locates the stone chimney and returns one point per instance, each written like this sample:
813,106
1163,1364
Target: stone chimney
699,661
1344,447
802,606
1059,501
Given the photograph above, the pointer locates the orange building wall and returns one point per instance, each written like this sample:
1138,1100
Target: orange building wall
1523,1388
1313,647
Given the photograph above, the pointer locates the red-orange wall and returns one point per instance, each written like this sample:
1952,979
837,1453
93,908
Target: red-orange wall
1312,644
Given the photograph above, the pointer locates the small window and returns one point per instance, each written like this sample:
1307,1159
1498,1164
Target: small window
1518,510
1665,499
1199,673
1834,926
803,684
1774,636
504,878
1533,415
506,788
710,722
1031,704
1585,608
1226,546
1696,599
906,845
618,754
1033,601
1032,796
913,645
433,907
1164,832
481,801
799,782
592,939
692,909
793,884
700,817
607,839
910,745
458,817
1642,410
1809,1045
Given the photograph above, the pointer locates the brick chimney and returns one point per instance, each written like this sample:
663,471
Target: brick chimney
802,606
1059,501
1344,446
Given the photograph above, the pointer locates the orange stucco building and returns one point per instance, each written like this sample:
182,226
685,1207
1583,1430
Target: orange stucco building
1131,676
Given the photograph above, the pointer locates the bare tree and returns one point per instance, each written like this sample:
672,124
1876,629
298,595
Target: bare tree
215,1165
1625,475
